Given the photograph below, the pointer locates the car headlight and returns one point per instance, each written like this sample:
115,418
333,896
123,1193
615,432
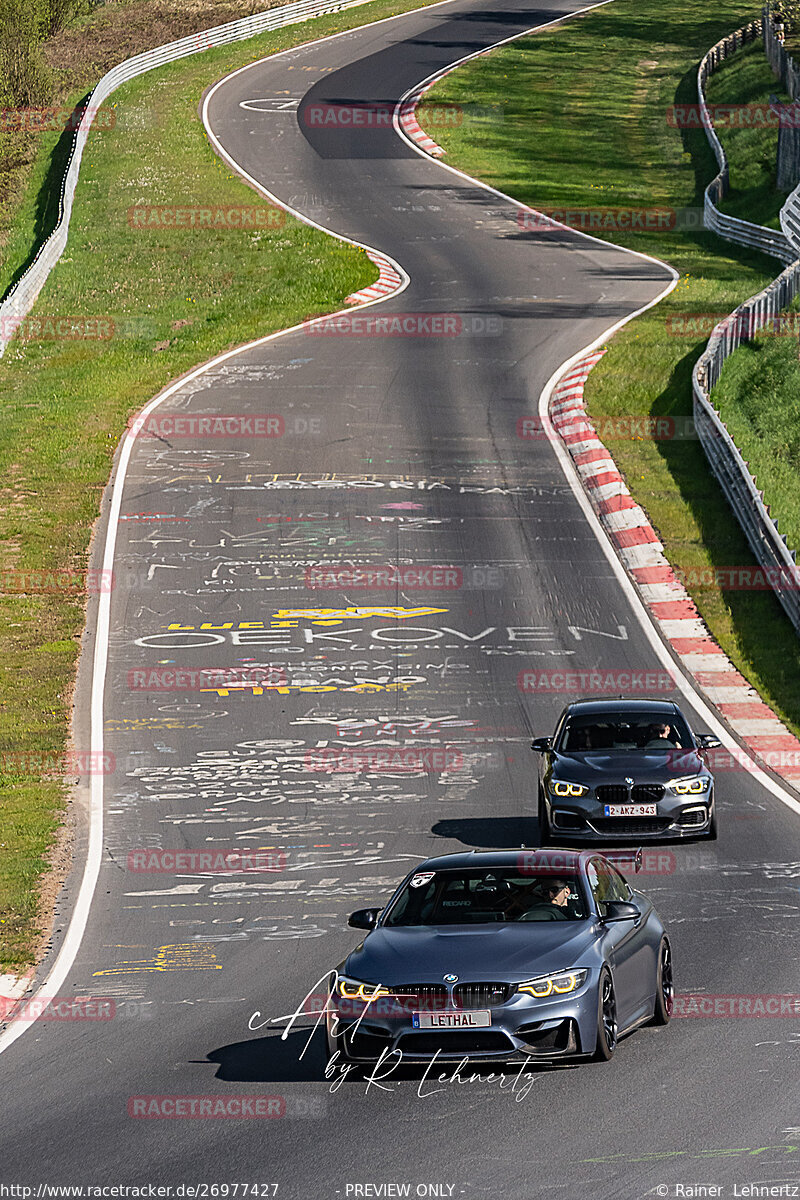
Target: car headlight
354,989
561,787
691,786
549,985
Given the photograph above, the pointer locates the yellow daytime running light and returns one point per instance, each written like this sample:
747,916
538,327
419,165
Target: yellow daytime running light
565,982
562,788
351,989
689,787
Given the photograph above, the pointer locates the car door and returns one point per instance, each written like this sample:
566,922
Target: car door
626,944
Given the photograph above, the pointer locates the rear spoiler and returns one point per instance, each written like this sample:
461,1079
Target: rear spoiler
625,860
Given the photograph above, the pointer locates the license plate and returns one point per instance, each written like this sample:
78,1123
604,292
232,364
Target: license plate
475,1019
630,810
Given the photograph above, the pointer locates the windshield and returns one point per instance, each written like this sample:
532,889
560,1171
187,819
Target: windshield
625,731
486,896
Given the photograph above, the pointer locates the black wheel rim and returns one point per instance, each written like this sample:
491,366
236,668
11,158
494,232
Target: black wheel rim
609,1017
667,985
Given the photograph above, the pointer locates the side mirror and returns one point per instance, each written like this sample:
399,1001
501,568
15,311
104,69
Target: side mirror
621,910
542,744
707,741
364,918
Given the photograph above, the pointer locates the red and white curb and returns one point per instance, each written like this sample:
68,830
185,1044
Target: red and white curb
388,281
411,126
12,989
675,614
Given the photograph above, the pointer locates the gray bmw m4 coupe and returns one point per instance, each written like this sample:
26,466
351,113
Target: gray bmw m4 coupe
502,955
622,769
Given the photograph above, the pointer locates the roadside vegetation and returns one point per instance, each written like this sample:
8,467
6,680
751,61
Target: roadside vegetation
585,124
171,298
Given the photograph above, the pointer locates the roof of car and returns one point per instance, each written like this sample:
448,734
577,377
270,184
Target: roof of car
612,706
568,859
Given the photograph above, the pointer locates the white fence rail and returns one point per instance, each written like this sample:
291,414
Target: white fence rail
732,472
744,233
790,220
21,297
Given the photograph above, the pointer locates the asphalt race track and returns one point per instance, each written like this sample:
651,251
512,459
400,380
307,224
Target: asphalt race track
399,450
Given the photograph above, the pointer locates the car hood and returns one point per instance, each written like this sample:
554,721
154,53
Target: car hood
488,953
643,766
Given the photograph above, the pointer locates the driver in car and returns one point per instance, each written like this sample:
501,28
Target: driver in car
660,736
549,902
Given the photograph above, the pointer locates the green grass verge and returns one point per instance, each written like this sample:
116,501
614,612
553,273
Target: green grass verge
758,398
585,125
177,298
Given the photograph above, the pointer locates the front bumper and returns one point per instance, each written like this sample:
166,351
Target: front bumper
521,1028
677,817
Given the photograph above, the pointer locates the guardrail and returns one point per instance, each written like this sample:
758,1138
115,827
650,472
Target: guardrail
732,472
779,59
790,220
743,233
20,299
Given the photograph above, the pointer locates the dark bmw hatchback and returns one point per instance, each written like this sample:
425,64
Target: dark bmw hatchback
624,769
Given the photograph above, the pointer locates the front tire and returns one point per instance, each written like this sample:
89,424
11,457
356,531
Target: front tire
545,836
712,826
665,989
607,1028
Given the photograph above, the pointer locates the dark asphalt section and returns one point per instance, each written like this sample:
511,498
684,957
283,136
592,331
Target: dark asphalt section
398,450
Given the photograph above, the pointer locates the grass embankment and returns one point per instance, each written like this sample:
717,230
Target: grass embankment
176,297
758,397
585,125
70,62
750,142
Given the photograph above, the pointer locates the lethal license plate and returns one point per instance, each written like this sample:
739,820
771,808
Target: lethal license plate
475,1019
630,810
